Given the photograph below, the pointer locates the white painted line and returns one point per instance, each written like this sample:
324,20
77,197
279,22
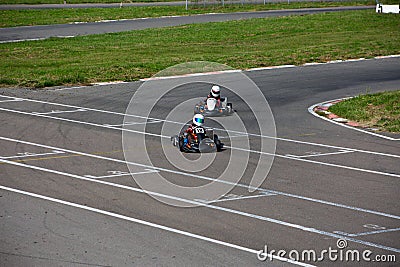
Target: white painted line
236,198
266,191
109,83
76,121
132,123
181,123
69,88
318,162
11,100
272,68
321,154
246,186
59,111
311,111
21,40
231,211
233,136
237,148
189,75
314,64
121,174
28,154
229,71
390,56
369,233
321,63
34,39
150,224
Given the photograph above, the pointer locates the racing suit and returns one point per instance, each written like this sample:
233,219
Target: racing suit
190,133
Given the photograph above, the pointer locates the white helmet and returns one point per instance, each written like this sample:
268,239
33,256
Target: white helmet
198,119
215,90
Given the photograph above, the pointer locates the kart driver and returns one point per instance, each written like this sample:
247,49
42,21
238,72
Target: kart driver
215,93
193,129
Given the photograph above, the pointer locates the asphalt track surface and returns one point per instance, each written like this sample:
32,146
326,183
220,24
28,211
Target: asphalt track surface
121,5
78,204
70,30
68,197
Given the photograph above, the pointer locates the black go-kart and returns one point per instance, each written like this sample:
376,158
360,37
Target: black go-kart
201,143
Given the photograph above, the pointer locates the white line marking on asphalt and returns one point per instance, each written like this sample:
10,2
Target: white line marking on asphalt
318,154
119,174
236,148
189,75
245,70
132,123
34,39
368,233
108,83
69,88
150,224
209,179
318,162
311,111
29,154
181,123
271,68
59,111
224,199
232,211
11,100
233,136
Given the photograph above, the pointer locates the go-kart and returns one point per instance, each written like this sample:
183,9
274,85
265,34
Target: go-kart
201,142
213,107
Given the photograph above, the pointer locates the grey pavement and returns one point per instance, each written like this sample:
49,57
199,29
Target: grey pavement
310,203
79,29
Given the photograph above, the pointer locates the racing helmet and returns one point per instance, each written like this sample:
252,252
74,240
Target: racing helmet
198,119
215,91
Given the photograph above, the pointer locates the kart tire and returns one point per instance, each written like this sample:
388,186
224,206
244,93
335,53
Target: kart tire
217,143
219,146
181,144
229,107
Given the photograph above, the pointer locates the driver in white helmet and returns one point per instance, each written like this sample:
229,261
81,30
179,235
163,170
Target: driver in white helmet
193,129
215,93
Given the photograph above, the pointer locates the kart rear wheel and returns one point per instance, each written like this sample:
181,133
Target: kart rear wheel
229,107
218,143
181,144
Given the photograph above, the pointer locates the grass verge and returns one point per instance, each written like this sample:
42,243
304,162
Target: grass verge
381,110
39,2
243,44
26,17
34,2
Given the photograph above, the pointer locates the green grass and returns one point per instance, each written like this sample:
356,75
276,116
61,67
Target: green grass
381,110
10,2
37,2
241,44
12,18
